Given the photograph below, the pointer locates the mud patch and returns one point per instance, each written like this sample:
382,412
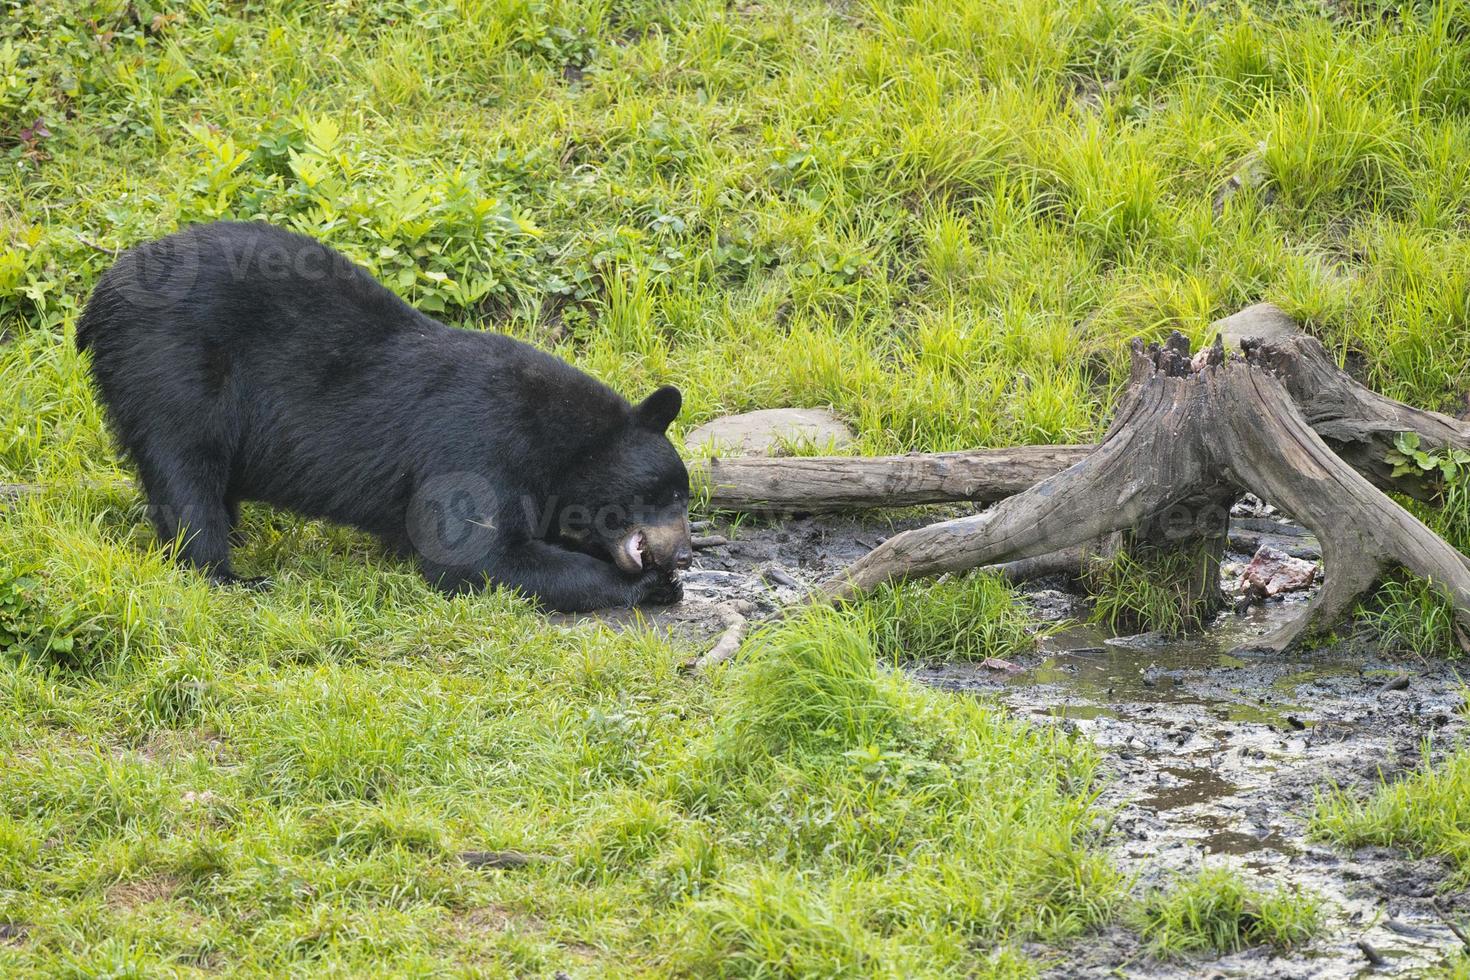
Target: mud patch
767,566
1216,756
1212,754
137,892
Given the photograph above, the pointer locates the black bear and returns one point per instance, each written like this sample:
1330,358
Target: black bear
238,361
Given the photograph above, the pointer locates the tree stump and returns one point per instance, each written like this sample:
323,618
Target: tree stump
1191,436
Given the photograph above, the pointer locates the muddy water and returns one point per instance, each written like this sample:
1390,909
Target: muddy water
1211,754
1215,756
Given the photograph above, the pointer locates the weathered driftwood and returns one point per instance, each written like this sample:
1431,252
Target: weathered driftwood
821,483
1192,436
726,646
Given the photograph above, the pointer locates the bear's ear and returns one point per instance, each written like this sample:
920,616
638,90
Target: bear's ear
659,409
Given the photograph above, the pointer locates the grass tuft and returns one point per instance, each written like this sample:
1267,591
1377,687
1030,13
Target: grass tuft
1408,616
965,619
1426,813
1131,595
1216,911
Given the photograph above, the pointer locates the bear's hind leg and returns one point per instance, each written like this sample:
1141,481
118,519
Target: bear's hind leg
186,503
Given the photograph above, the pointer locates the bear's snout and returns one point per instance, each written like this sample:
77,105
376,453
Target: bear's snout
669,545
665,546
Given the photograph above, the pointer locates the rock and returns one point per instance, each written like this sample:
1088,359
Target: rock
764,433
1264,321
995,663
1250,171
779,576
500,860
1272,572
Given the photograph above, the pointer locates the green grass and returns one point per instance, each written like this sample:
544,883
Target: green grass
1405,613
941,217
1425,813
968,618
1407,616
1148,593
288,780
1216,911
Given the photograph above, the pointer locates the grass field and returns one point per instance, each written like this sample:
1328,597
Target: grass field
941,217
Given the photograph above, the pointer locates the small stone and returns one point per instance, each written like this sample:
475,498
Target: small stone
1272,572
769,431
995,663
1264,321
1250,171
779,576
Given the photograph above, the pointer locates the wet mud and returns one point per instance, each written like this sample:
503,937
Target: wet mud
1212,754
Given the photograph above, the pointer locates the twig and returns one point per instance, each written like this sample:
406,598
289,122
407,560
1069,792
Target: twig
101,248
1454,927
725,646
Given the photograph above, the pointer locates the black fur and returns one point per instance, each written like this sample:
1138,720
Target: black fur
242,362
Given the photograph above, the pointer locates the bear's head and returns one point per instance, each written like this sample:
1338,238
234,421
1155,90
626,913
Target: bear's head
629,494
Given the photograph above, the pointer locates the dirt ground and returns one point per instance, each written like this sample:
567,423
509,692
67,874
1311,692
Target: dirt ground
1212,754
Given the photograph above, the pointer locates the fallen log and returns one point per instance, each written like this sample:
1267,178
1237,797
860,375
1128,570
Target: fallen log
1192,436
761,484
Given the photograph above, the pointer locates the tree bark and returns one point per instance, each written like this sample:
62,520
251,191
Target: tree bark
1358,423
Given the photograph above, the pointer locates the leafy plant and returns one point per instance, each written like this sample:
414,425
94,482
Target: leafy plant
32,630
1407,614
1407,457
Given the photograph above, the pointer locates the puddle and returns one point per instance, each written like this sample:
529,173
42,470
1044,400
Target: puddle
1211,754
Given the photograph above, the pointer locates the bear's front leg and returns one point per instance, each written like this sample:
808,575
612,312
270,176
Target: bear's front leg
560,579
